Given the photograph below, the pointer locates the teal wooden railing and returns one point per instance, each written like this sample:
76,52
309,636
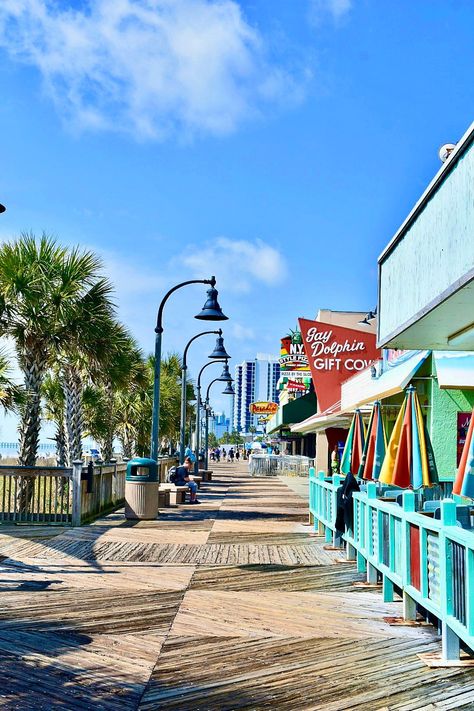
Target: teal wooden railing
429,561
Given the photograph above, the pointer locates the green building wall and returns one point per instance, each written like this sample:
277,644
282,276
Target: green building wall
440,408
443,425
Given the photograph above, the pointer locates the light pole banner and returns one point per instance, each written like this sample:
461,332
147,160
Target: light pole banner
335,353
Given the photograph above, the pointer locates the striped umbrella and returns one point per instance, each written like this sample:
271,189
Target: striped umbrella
409,460
464,484
354,447
375,446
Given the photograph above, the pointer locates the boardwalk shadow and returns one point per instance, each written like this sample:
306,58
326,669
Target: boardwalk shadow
44,668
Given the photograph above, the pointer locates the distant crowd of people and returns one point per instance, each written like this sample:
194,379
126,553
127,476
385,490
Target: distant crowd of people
216,454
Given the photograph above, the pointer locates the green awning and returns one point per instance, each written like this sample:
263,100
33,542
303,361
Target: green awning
293,412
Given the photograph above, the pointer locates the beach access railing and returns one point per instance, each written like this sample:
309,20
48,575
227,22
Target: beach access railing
283,464
67,496
430,562
60,495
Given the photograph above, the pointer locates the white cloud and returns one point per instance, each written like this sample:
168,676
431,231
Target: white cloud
242,333
238,265
148,67
319,10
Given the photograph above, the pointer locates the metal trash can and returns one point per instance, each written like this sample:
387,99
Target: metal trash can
141,489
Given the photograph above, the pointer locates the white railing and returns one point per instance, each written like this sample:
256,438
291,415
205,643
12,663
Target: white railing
279,464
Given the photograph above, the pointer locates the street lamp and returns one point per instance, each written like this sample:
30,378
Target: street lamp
218,352
211,311
2,208
225,377
228,391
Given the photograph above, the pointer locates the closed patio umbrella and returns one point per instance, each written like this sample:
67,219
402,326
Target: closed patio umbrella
409,460
464,484
375,446
354,447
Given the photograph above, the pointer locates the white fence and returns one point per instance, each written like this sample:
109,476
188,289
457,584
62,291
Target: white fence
276,464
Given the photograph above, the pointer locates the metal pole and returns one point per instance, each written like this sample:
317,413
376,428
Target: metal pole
198,426
206,439
198,404
182,442
182,437
155,425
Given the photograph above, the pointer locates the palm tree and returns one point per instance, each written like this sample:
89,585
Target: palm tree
48,294
113,406
54,411
11,394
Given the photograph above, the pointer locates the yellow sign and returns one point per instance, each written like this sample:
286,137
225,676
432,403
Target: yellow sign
263,408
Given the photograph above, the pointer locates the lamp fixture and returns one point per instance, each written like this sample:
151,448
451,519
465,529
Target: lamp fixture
225,375
219,350
229,390
211,311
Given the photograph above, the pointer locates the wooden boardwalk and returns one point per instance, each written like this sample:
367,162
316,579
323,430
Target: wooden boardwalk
233,604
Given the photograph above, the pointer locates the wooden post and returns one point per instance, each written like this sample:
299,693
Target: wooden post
114,481
76,492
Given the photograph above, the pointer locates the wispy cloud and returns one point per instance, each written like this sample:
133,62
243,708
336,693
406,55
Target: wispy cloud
238,265
321,10
148,67
242,333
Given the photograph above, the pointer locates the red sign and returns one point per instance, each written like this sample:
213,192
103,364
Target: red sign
294,386
464,419
335,353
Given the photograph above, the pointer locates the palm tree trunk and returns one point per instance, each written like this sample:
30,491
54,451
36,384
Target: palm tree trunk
127,445
74,414
34,368
61,444
108,443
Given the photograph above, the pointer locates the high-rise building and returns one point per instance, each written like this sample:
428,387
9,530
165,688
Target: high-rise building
255,380
219,424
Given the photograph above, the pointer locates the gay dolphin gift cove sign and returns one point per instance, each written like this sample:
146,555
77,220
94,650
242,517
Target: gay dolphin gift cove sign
335,353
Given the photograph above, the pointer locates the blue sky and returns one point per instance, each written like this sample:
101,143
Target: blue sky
276,143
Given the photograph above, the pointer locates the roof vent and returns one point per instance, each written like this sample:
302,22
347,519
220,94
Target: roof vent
445,151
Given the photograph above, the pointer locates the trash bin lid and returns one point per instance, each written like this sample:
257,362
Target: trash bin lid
142,469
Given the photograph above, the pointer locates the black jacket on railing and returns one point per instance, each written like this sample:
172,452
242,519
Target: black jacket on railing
345,509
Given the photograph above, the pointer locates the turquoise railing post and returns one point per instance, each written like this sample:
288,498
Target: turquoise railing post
336,536
409,604
449,639
321,492
470,591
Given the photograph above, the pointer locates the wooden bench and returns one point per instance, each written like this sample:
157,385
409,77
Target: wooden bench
177,494
206,474
163,498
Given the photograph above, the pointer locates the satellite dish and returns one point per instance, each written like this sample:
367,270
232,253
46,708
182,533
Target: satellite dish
445,151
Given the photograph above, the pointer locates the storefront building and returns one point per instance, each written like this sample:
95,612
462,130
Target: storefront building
337,344
445,391
296,398
426,272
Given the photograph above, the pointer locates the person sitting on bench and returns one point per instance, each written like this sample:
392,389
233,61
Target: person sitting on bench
182,477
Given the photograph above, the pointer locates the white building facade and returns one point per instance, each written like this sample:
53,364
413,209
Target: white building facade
255,380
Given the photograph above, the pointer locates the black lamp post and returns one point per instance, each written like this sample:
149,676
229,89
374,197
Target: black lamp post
225,377
2,208
211,311
229,390
218,352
